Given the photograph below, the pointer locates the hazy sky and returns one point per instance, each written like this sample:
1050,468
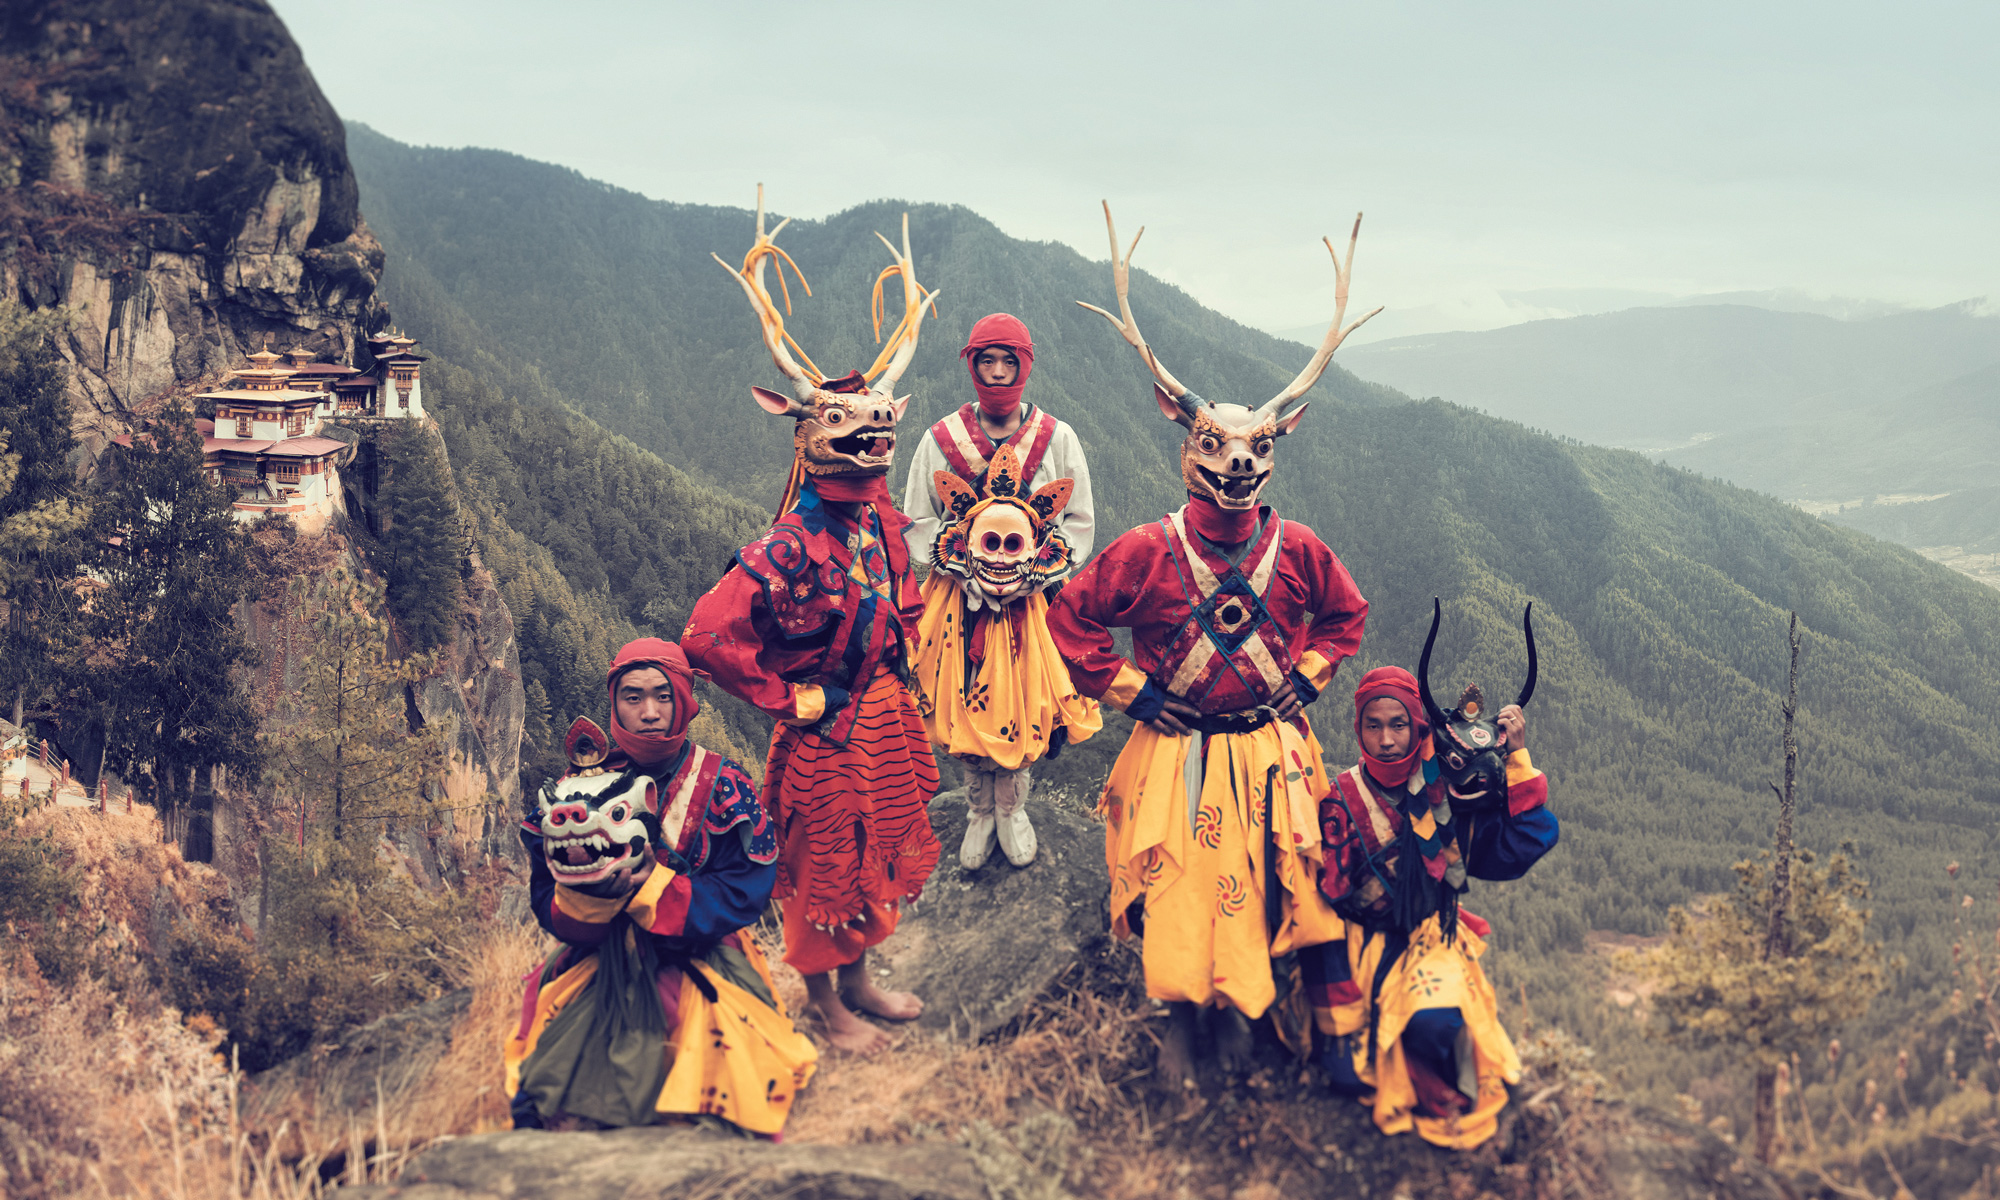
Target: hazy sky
1837,149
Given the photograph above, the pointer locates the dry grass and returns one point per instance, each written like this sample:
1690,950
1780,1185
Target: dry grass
109,1092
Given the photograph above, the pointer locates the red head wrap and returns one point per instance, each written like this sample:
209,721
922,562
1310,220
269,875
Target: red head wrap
1004,330
652,747
1401,686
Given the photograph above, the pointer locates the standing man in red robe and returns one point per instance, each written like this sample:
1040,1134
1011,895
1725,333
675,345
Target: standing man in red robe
813,623
1238,620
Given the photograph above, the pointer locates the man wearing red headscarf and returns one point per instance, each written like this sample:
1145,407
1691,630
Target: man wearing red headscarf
704,877
1402,1003
999,354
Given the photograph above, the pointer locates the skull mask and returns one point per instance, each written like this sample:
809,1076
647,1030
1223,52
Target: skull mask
1001,541
1468,740
598,826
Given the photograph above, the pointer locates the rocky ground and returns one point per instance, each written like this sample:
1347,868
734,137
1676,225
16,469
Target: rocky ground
1030,1078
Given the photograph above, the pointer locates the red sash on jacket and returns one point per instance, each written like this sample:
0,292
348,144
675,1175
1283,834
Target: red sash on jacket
967,448
1229,630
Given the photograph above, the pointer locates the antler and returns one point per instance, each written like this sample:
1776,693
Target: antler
1121,278
895,357
1343,274
804,379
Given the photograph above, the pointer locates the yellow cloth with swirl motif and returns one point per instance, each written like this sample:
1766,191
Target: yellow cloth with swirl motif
1196,867
1007,706
1430,973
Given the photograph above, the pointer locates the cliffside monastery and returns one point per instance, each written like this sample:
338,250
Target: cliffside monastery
265,440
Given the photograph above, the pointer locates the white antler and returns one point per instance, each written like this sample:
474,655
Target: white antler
1121,278
804,379
1343,274
895,357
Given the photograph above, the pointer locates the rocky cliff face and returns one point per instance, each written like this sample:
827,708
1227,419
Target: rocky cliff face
172,173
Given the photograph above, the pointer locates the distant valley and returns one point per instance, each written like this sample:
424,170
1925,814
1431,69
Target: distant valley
1890,424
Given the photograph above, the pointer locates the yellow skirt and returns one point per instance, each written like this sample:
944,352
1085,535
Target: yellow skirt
736,1058
1429,974
1197,867
1021,694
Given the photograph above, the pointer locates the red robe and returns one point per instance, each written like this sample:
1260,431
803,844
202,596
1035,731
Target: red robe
816,634
1221,637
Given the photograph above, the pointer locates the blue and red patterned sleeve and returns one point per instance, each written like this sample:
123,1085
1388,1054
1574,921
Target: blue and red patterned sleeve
1503,846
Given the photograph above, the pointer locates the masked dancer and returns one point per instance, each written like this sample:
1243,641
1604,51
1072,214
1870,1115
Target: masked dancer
648,861
1239,619
812,624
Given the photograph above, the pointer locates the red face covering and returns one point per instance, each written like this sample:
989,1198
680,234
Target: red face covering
1004,330
1401,686
1224,527
652,747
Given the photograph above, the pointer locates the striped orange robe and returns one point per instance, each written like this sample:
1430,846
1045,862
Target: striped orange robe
811,624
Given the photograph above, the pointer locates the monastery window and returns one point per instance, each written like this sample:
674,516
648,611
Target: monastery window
297,424
285,472
243,424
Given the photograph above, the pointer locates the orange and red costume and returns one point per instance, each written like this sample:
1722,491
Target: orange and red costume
812,624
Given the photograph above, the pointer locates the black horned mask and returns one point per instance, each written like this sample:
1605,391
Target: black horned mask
1468,739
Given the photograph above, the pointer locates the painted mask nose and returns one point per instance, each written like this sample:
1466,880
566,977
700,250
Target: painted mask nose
569,814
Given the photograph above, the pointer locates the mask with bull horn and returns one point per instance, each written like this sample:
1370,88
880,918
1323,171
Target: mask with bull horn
1467,739
1227,455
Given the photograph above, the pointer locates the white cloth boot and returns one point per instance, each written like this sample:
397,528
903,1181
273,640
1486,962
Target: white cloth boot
1010,812
980,834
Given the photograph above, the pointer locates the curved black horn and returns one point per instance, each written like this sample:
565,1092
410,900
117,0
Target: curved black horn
1431,708
1528,627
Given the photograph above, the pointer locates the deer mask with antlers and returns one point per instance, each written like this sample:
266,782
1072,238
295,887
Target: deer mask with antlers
1227,456
846,426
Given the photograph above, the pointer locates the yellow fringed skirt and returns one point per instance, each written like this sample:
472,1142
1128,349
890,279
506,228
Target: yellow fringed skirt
1429,974
735,1057
1195,866
1020,693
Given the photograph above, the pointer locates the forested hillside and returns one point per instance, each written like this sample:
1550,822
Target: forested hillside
1802,406
1660,595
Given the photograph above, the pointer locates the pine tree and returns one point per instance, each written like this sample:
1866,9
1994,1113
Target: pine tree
425,537
1770,969
346,771
166,651
39,511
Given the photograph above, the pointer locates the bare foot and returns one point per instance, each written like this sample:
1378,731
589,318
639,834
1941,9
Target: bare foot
845,1029
1175,1070
1235,1041
890,1006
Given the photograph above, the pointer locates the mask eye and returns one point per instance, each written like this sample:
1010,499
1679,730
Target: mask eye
1263,448
991,542
617,813
1457,763
834,416
1013,544
1209,445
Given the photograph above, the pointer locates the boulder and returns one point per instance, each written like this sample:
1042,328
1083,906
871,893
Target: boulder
980,945
661,1161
